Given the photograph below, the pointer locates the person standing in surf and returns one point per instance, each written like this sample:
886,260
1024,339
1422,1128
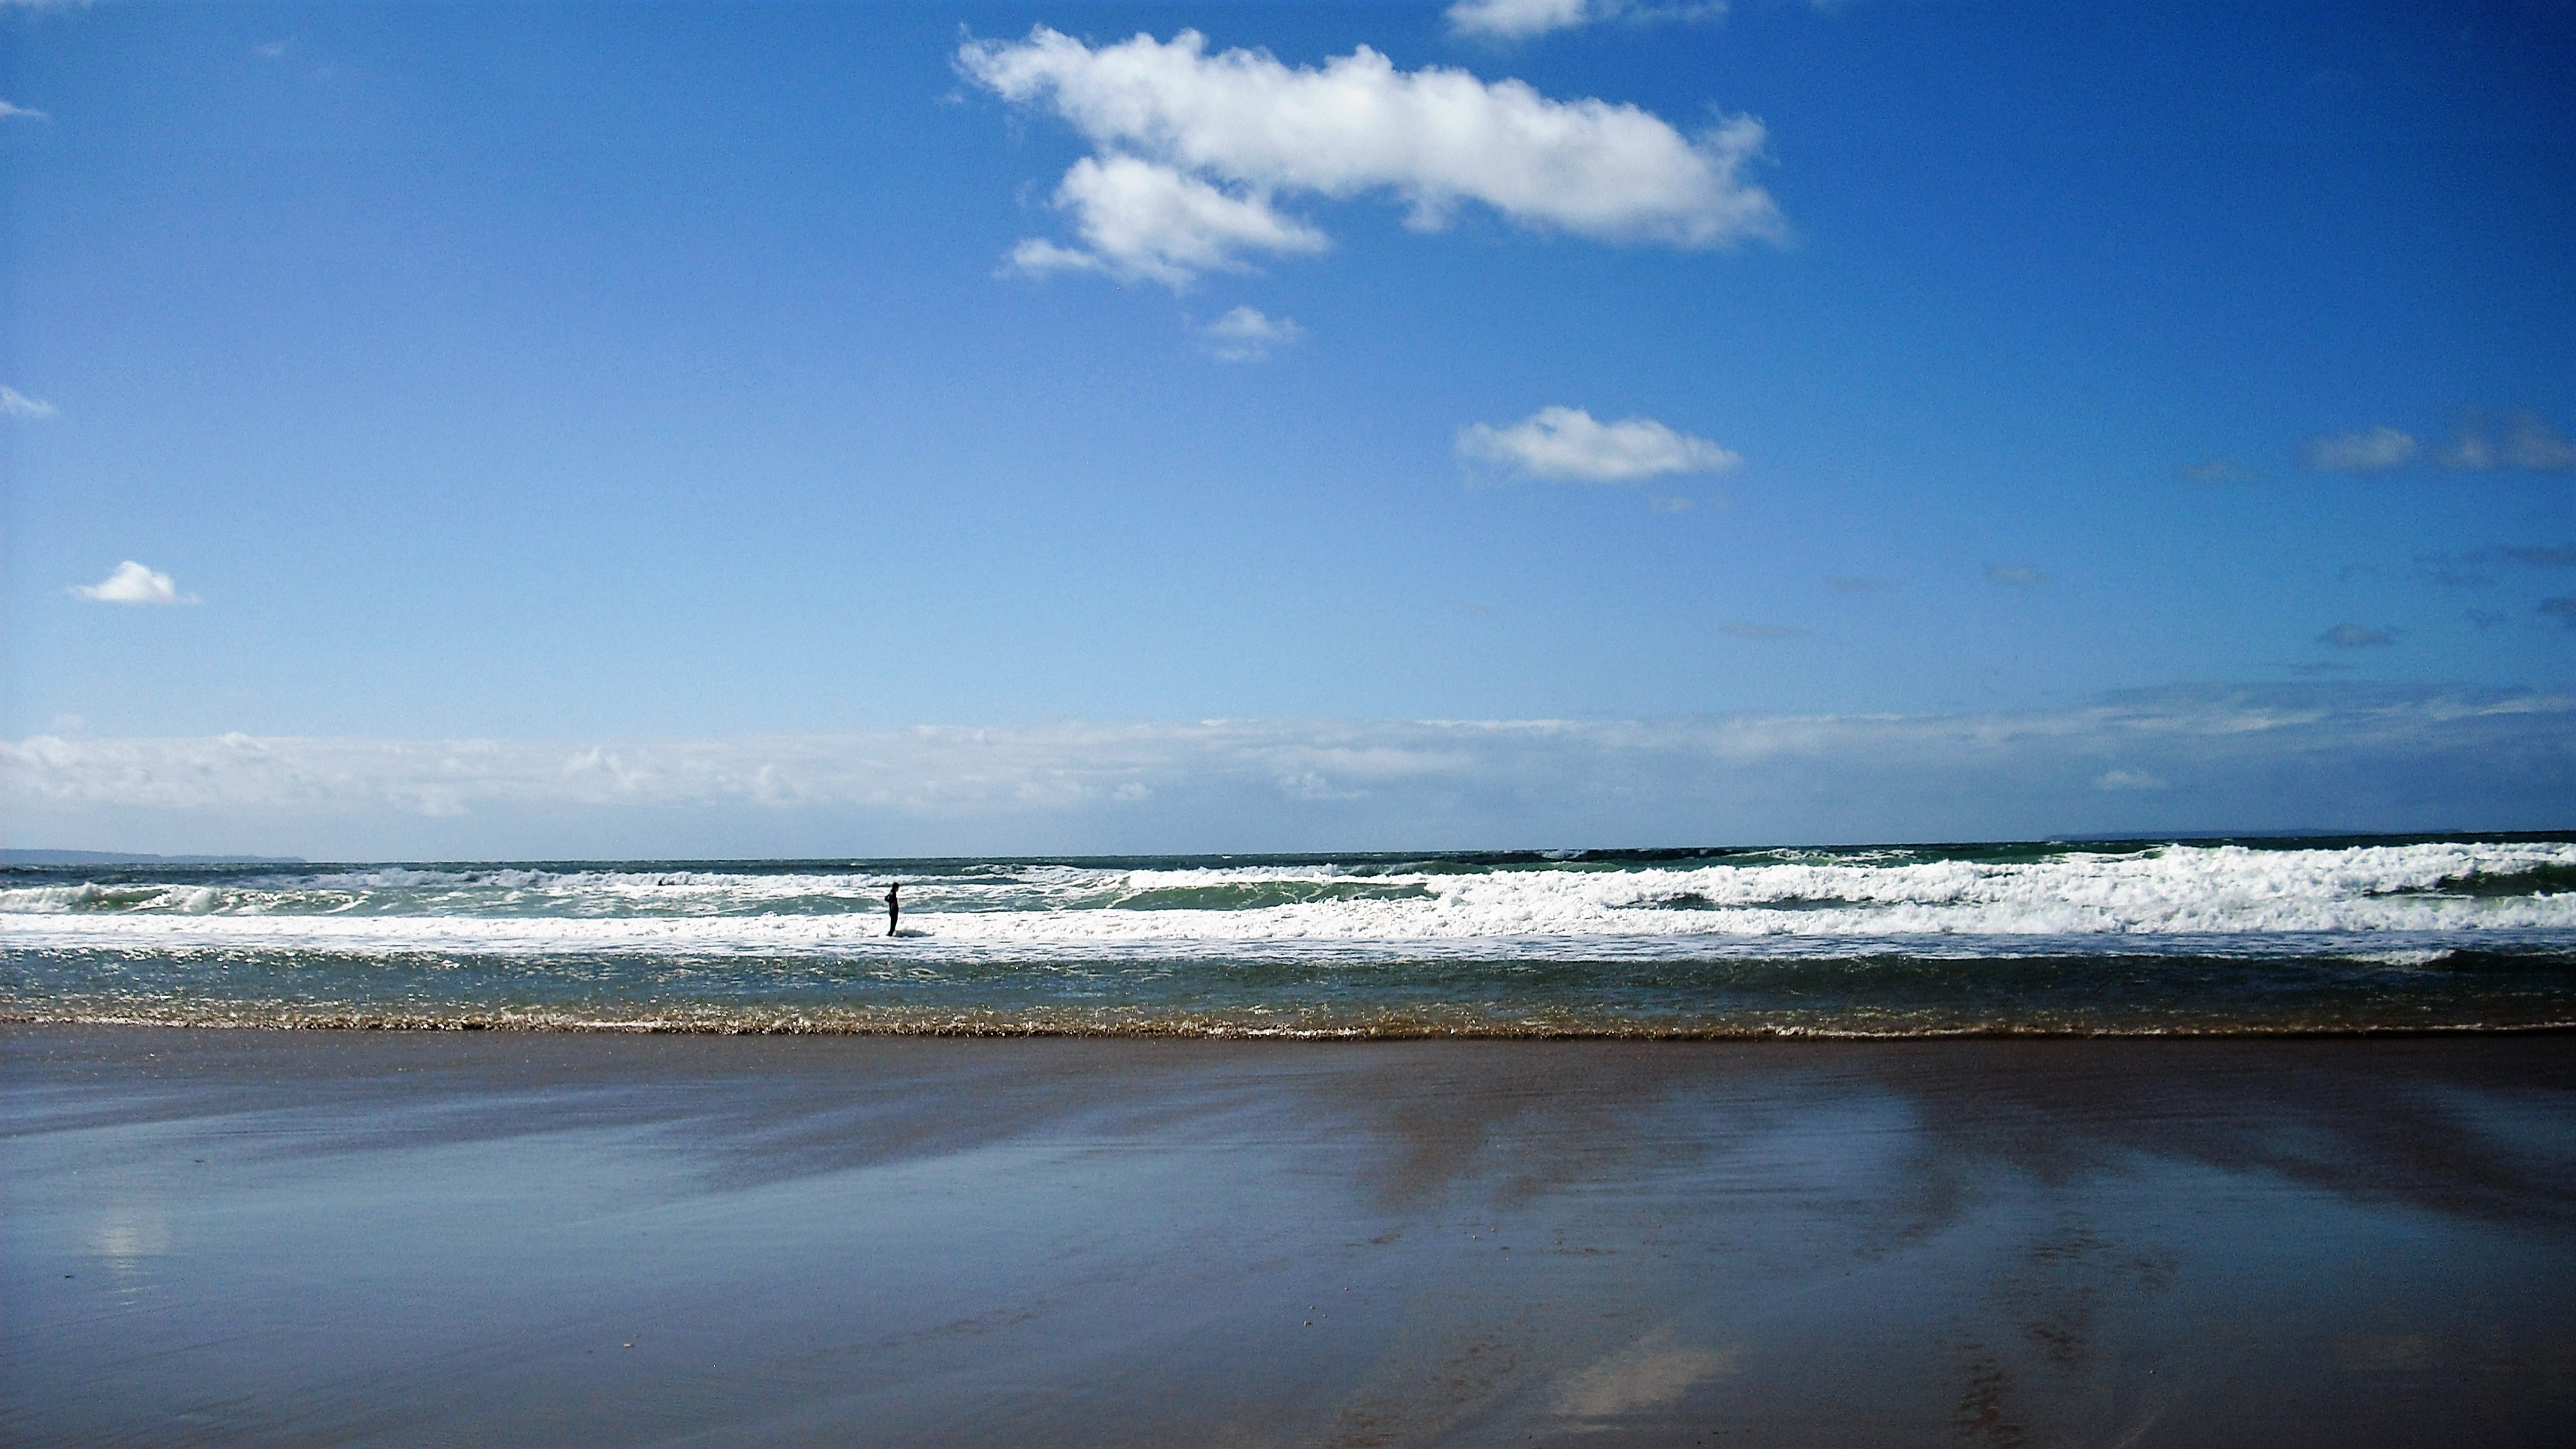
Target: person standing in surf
894,905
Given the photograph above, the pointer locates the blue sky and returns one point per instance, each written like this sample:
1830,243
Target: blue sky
663,373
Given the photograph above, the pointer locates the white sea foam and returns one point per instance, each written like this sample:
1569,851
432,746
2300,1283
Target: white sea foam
1798,902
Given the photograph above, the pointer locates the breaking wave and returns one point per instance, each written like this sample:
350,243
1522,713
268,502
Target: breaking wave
2345,935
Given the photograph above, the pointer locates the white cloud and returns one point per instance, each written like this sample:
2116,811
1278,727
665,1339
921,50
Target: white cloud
1246,335
1568,443
2533,444
1150,221
16,404
1313,785
1243,129
2376,451
1522,19
9,112
2308,757
132,583
2472,451
2528,442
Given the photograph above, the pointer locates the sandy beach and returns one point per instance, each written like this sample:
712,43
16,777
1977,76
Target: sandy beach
263,1237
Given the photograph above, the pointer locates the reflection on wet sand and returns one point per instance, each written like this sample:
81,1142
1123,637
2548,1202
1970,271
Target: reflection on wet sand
398,1236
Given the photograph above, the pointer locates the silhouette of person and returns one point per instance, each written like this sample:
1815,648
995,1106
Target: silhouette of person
894,906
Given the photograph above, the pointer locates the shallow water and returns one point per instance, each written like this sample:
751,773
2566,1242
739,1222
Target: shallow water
297,1238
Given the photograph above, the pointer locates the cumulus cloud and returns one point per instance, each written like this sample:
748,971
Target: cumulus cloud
132,583
2015,574
16,404
2315,756
1247,335
2377,450
9,112
1193,152
2358,636
1570,444
1146,220
1523,19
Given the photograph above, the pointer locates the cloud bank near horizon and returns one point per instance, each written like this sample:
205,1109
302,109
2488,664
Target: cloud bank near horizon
2344,758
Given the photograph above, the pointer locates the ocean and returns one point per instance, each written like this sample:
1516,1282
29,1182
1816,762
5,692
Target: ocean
2224,937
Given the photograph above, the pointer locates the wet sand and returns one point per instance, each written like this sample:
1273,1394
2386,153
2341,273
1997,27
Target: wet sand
253,1237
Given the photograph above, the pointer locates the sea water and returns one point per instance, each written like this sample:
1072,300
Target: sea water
2252,936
